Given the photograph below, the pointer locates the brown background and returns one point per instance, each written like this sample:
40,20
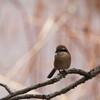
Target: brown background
30,30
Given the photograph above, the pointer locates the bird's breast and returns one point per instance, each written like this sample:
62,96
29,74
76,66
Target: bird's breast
62,60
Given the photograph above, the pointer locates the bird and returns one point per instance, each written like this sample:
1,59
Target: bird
62,60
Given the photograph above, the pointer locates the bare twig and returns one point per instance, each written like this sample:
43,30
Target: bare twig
6,87
92,73
86,76
52,81
29,96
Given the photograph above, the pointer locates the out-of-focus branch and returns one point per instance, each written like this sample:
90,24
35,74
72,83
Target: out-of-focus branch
86,76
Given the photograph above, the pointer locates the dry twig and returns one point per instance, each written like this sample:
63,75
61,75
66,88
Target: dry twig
86,76
6,87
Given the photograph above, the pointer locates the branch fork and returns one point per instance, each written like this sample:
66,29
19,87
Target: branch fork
21,94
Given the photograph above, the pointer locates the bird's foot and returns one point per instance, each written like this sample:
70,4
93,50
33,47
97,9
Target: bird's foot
63,72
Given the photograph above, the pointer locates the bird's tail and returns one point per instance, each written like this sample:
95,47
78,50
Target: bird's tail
51,73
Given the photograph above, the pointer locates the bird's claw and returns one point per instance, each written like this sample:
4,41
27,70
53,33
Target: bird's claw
63,73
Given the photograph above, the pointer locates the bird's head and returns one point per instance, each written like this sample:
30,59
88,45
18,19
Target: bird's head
61,48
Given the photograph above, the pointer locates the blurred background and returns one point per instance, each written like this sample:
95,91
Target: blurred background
30,30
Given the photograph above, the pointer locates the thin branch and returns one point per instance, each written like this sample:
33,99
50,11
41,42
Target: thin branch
86,76
92,73
29,96
76,71
51,81
6,87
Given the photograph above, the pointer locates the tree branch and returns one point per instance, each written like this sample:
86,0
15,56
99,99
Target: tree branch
29,96
86,76
6,87
90,75
51,81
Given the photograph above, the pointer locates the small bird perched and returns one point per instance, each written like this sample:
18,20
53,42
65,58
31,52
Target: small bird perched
62,60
